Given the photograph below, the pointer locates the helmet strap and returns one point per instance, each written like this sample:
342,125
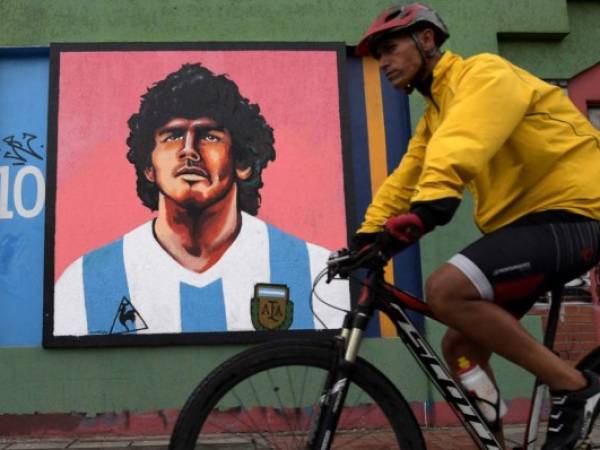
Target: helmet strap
422,79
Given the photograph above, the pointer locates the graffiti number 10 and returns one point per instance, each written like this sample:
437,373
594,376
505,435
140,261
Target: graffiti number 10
21,209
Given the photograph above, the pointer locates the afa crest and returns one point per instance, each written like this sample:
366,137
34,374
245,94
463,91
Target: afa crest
271,308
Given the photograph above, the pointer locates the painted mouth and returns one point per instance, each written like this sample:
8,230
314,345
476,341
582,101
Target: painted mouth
192,174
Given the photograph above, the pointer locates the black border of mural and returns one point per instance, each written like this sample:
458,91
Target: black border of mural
163,339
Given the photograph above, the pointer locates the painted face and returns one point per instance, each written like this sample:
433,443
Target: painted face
399,60
192,162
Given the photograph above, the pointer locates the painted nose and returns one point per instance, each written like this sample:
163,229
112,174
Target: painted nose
189,150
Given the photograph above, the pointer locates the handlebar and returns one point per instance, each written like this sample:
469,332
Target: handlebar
344,261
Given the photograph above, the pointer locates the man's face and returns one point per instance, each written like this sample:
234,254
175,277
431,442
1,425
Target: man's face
192,162
399,60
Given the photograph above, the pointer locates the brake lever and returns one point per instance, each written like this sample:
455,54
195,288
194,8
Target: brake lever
335,263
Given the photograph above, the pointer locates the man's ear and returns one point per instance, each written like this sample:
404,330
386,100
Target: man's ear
243,173
150,175
427,38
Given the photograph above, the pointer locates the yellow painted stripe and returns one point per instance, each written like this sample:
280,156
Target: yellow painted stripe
387,327
375,123
377,155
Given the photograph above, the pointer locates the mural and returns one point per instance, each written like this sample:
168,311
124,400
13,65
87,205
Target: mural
181,180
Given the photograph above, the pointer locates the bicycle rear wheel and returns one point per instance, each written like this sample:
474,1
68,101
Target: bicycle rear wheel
268,396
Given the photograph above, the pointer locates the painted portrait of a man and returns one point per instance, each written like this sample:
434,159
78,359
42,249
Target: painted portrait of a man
199,149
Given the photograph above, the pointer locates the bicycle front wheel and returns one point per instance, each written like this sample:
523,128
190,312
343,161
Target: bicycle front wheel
268,397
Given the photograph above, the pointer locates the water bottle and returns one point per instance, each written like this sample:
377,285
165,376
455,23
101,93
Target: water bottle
477,383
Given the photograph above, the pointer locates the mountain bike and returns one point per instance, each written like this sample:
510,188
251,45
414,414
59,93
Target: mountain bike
319,394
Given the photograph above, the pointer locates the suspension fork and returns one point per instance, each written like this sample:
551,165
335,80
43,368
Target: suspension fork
337,384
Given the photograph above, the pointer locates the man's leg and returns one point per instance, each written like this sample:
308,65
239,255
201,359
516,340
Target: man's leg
507,269
457,303
456,345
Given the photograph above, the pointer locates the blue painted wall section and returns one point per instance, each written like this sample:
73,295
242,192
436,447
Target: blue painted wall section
23,128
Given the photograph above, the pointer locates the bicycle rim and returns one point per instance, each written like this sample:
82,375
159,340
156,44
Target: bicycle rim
272,404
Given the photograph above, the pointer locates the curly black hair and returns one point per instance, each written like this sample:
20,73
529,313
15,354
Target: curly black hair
191,92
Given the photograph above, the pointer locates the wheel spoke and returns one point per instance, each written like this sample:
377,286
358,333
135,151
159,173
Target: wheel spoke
295,405
237,418
315,405
282,407
269,397
258,407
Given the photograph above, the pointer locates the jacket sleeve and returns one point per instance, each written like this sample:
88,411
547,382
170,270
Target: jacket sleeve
393,196
489,102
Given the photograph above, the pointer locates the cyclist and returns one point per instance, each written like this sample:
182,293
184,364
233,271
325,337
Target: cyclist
531,162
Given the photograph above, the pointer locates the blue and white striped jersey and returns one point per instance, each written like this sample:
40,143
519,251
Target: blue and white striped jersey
169,298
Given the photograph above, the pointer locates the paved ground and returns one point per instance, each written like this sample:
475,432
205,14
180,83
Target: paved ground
458,439
437,439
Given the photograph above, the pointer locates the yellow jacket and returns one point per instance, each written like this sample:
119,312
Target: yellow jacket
515,142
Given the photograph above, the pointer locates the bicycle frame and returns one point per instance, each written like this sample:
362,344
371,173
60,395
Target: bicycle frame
378,295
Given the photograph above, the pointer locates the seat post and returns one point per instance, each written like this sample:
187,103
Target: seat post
553,315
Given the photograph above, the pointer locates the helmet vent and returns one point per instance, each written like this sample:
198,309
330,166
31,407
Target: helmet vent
393,14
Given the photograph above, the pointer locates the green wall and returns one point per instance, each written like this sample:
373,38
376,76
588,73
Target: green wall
141,379
552,38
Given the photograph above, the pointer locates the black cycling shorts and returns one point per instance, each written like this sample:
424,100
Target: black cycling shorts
515,264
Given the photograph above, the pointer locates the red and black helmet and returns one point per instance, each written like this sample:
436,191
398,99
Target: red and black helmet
402,18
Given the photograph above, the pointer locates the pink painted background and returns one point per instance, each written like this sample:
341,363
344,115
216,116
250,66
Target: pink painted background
297,92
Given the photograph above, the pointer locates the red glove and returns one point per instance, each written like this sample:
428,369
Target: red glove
405,229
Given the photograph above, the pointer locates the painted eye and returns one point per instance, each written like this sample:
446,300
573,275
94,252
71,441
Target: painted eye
211,138
173,137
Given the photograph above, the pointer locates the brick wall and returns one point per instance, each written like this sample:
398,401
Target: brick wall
577,329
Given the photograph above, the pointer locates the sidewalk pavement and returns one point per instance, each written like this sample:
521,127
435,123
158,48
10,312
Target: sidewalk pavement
456,438
95,443
451,438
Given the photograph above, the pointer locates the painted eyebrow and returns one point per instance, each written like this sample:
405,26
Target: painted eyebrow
201,127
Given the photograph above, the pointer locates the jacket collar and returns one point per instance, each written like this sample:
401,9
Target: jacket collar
441,69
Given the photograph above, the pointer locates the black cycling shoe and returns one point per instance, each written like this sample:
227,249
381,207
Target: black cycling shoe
572,415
